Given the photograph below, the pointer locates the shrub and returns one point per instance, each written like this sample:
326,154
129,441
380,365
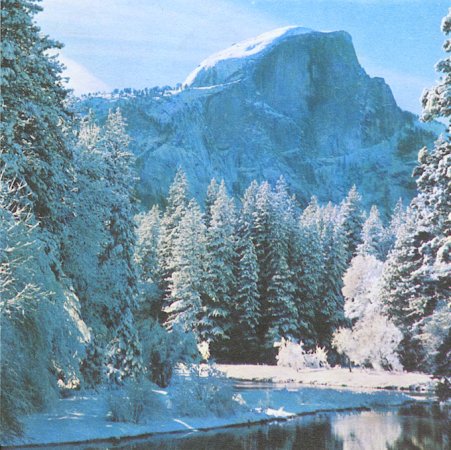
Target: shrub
203,391
162,351
293,355
134,401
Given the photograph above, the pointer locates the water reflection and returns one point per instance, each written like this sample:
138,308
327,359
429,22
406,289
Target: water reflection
396,429
367,430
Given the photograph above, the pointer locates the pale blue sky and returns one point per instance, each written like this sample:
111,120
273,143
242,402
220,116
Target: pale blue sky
143,43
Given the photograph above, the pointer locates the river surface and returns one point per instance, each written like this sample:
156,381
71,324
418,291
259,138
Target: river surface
396,428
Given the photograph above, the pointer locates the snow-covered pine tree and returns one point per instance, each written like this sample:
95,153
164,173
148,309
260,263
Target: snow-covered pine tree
246,303
400,284
41,331
435,199
36,164
86,234
188,283
247,212
352,218
146,258
330,315
397,219
36,151
261,237
212,194
309,273
221,257
244,345
281,313
117,267
416,279
177,202
374,236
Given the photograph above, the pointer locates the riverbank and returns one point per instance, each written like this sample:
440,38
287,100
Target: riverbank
333,377
82,418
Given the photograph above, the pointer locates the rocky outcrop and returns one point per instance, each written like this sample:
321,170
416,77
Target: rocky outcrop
294,102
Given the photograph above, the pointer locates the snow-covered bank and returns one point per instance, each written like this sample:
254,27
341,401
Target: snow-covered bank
335,377
83,417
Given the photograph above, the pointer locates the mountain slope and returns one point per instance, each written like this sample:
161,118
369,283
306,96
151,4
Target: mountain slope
294,102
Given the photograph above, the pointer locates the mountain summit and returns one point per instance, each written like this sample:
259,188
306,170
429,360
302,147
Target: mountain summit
292,102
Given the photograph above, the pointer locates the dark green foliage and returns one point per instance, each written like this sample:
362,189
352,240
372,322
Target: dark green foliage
163,350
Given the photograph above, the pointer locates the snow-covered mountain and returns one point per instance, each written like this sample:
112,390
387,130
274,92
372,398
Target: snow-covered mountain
292,101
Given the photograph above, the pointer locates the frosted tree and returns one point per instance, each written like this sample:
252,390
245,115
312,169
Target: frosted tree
117,268
247,212
246,316
212,194
416,281
42,333
282,312
221,256
146,258
36,168
247,302
308,275
36,151
397,220
86,233
261,236
400,285
176,206
361,286
437,100
187,284
373,339
352,219
374,236
372,342
329,313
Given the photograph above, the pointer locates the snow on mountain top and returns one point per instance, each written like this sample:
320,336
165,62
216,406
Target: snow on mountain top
247,48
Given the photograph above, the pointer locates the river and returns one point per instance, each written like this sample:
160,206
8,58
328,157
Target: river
413,427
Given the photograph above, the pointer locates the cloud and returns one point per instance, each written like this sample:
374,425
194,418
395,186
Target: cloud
81,80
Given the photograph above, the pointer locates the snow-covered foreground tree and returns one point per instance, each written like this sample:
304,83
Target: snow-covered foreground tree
99,246
42,333
416,289
373,340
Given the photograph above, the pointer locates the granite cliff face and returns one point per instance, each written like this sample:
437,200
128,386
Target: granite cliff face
294,102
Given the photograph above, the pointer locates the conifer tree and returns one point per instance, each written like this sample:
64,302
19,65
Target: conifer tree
146,258
176,207
282,313
116,260
416,278
247,303
352,219
212,194
374,236
309,272
188,284
330,312
220,270
35,150
36,165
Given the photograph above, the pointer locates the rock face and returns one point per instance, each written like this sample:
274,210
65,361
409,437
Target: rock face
294,102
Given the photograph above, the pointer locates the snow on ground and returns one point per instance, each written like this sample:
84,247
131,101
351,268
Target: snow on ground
335,377
84,416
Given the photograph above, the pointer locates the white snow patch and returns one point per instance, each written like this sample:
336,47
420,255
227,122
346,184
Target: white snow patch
278,412
335,377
